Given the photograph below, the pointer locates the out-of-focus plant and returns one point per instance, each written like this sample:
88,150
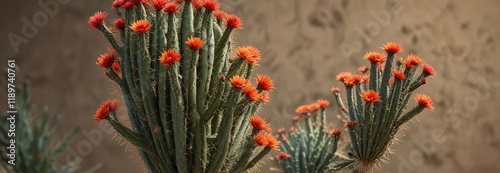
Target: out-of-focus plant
33,139
189,104
376,104
309,146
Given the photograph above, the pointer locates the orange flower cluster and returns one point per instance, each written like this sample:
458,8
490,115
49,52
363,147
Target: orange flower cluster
265,139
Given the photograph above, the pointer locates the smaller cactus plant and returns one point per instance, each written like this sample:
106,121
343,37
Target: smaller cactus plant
33,139
376,104
309,146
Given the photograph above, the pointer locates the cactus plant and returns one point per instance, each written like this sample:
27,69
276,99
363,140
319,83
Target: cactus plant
376,104
309,146
33,138
188,102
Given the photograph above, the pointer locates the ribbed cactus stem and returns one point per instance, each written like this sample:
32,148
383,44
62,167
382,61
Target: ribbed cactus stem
247,153
258,157
131,136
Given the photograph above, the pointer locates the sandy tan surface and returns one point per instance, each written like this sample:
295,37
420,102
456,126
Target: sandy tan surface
304,45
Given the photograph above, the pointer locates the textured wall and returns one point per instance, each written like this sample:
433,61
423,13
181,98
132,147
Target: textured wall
304,45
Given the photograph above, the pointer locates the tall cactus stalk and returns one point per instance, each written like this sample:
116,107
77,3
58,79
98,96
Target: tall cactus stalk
376,104
189,103
309,146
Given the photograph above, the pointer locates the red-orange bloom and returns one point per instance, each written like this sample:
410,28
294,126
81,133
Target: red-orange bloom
281,130
295,118
251,93
158,4
97,19
335,90
171,7
283,155
116,67
335,132
106,108
220,15
323,103
302,109
292,129
399,75
272,142
424,101
140,26
392,48
127,5
211,5
350,81
343,75
350,124
169,57
106,60
370,96
363,69
265,83
364,78
238,82
264,97
314,107
261,139
194,43
233,21
249,53
259,123
375,57
118,3
119,23
428,70
412,61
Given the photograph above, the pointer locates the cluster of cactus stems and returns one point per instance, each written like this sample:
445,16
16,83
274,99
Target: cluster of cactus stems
376,103
35,150
188,101
309,146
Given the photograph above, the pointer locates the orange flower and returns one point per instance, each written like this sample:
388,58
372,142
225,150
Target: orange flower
428,70
119,23
343,75
370,96
399,75
350,81
314,107
295,118
128,5
194,43
261,139
281,130
171,7
323,103
424,101
106,108
238,82
106,60
259,123
364,78
302,109
233,21
158,4
265,83
249,53
363,69
292,129
169,57
392,48
211,5
375,57
116,67
335,132
97,19
272,142
335,90
264,97
220,15
251,93
283,155
412,60
140,26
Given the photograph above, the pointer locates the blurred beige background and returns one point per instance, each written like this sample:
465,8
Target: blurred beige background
304,45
